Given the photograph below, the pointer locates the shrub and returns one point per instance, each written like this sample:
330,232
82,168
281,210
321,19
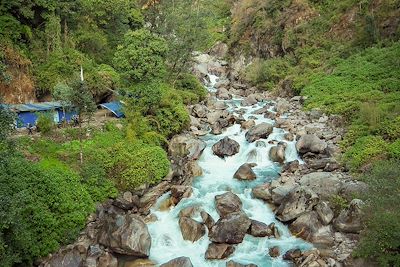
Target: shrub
94,178
45,123
394,149
381,238
364,150
133,164
42,206
189,83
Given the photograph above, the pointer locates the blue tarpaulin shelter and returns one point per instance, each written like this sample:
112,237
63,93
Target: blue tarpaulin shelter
28,113
114,107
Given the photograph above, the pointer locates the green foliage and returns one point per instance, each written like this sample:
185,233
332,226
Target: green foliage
266,74
133,164
381,238
338,203
365,150
161,106
141,56
45,123
188,84
6,123
394,149
370,76
94,178
41,210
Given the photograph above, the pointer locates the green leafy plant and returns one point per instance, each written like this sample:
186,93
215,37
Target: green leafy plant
45,123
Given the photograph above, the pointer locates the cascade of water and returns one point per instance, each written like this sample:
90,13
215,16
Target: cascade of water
217,178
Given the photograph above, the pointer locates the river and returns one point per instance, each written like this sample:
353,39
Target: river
217,178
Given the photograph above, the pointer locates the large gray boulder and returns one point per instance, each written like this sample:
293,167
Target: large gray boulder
245,172
126,235
227,203
262,130
186,146
277,153
324,211
310,143
350,219
230,229
262,191
223,93
299,200
178,262
232,263
191,229
325,184
247,124
226,147
199,111
260,229
219,251
308,227
208,221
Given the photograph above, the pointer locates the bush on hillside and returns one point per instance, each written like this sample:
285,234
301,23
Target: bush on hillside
45,123
381,238
131,165
188,83
365,150
42,206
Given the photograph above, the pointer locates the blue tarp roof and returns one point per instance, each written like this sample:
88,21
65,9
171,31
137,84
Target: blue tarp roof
33,106
114,107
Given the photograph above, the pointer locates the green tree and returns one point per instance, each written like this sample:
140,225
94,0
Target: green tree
182,24
141,56
81,100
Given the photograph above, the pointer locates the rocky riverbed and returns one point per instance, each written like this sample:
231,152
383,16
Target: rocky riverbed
256,181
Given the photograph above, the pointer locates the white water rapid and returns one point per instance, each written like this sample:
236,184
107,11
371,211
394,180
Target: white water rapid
217,178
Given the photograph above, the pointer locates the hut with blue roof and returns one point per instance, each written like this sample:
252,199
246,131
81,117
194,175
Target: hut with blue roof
28,113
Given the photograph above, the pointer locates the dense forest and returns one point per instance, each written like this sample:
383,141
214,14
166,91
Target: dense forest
344,56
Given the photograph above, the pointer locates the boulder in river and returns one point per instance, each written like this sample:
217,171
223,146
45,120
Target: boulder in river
227,203
262,130
219,251
260,229
277,153
178,262
274,252
126,235
180,191
230,229
222,93
226,147
245,172
311,143
232,263
191,230
292,254
298,201
247,124
207,219
262,191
